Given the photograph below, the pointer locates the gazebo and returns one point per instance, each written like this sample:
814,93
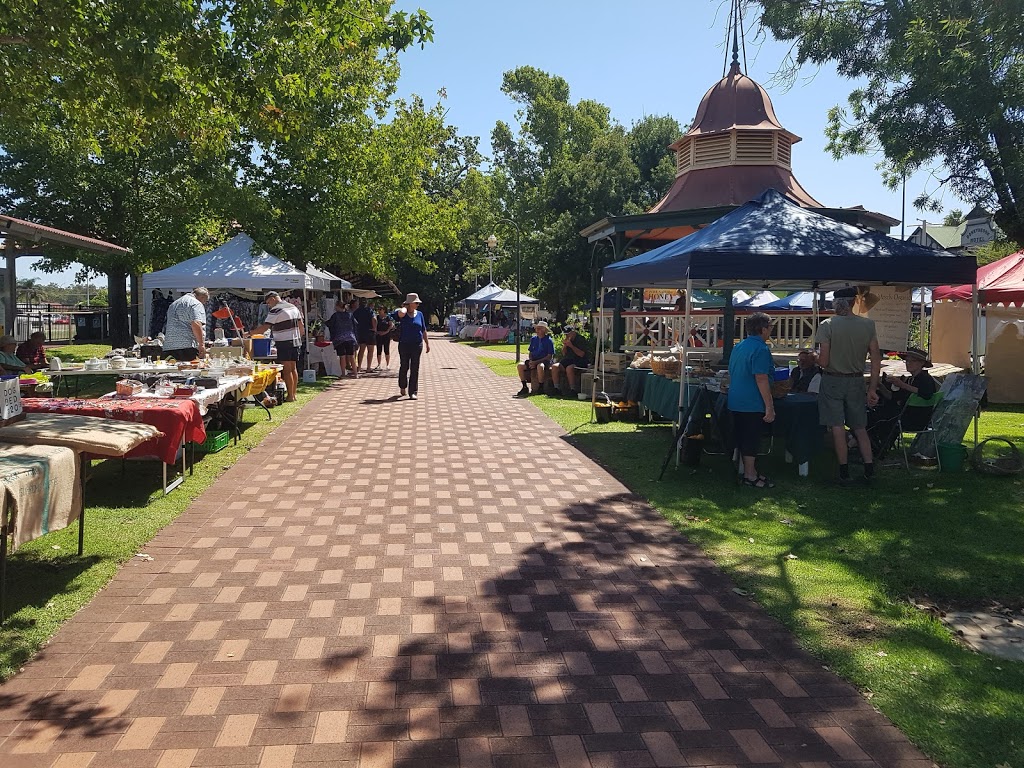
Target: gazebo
734,150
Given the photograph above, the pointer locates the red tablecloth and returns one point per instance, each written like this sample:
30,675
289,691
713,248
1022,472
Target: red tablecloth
177,419
491,333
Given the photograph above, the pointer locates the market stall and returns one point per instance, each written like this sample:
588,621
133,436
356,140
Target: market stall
1000,289
772,243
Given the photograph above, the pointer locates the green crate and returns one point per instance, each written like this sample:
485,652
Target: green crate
214,442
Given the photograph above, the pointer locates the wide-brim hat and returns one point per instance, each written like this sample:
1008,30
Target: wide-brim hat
412,298
541,324
916,353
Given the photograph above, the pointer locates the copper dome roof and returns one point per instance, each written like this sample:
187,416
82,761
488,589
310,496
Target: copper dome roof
735,102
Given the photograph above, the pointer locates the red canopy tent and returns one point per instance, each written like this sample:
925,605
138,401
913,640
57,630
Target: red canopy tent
1001,282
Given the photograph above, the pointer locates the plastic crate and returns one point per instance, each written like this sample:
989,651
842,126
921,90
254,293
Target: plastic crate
215,441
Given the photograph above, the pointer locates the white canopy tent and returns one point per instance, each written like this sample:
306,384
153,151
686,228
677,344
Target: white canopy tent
238,264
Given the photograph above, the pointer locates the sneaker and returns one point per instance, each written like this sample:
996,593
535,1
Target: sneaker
412,396
524,392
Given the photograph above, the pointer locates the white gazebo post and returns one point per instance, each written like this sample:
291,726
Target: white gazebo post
975,346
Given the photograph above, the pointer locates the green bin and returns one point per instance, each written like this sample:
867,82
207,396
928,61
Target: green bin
215,441
952,456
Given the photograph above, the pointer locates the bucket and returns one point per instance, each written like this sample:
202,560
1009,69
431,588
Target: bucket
951,456
309,376
603,412
261,347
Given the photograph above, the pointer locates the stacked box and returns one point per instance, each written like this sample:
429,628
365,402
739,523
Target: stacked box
616,362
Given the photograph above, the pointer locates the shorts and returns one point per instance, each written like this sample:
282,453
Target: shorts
579,362
747,430
384,344
843,400
345,348
182,355
366,338
287,352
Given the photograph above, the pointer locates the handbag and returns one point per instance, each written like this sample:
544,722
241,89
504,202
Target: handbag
396,331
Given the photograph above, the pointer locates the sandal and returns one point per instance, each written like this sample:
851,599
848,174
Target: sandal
760,482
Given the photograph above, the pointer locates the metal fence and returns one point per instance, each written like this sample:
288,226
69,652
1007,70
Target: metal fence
62,324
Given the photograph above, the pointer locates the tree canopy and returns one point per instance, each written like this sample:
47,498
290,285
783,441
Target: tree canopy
943,83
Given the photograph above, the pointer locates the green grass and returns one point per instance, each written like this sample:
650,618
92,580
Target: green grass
953,539
48,582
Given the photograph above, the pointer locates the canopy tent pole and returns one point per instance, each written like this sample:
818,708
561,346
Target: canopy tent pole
684,392
600,352
305,323
920,327
975,346
814,313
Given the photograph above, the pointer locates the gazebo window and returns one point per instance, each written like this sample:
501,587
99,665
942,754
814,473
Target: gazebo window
785,150
754,146
684,156
710,150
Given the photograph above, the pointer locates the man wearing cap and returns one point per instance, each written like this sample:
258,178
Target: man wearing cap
185,332
542,350
285,321
845,340
574,355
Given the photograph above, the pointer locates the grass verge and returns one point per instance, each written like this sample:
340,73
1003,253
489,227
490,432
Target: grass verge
48,582
859,556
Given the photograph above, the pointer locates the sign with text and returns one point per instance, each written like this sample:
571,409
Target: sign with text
892,316
659,297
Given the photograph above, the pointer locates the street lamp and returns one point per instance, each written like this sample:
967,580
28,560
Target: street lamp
492,241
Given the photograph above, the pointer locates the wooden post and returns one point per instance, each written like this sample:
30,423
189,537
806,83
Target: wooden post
11,308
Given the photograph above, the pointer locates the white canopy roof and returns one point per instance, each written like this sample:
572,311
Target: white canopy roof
327,277
238,263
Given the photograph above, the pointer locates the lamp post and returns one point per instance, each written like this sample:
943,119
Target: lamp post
492,241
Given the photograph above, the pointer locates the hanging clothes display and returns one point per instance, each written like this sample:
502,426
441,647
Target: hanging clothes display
158,313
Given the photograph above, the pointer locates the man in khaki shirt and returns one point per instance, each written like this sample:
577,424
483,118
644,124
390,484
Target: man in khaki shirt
845,340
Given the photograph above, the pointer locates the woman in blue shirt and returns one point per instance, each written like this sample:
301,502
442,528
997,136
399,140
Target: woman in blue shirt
750,394
412,340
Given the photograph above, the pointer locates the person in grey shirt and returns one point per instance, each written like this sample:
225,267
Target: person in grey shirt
185,332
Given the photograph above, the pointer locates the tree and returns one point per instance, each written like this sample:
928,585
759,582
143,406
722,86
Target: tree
571,164
954,218
197,69
943,84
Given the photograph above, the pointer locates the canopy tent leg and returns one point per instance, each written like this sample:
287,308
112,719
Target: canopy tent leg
600,349
975,347
684,393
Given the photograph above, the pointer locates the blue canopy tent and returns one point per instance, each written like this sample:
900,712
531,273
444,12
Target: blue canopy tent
799,301
771,242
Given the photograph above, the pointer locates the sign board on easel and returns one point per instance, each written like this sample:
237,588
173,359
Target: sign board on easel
891,314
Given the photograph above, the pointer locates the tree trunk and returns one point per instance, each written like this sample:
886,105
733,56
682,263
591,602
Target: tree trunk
120,328
135,305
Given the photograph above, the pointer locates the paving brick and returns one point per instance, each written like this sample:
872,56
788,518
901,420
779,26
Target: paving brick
459,607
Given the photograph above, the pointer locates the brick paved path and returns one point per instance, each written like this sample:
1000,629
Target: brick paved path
436,583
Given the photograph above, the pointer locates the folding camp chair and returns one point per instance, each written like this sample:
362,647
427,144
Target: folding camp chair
916,419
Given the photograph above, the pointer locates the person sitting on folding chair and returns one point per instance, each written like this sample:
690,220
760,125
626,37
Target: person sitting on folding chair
894,394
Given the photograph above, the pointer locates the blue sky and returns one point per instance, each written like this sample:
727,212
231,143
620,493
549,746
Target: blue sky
645,57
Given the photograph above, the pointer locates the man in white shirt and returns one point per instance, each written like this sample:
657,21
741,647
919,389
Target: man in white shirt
285,321
185,332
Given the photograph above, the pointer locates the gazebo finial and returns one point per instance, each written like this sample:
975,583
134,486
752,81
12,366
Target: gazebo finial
736,28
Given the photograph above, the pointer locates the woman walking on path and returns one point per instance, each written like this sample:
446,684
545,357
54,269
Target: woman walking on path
412,340
384,326
341,331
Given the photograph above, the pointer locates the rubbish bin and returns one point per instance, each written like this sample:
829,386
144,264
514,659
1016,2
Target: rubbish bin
89,326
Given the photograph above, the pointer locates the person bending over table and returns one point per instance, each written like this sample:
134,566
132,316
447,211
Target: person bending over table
185,332
533,369
33,353
10,362
286,323
750,395
574,355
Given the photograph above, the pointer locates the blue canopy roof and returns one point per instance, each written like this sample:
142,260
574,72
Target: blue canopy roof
772,242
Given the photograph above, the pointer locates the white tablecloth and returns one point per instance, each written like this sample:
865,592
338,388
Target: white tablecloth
206,397
327,356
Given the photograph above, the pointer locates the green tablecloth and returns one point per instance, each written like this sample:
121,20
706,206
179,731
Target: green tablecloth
634,384
661,395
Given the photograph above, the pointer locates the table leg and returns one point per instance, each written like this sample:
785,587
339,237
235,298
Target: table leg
84,468
5,531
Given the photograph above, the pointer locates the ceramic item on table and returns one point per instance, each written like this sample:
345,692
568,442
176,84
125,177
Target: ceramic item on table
118,362
55,364
136,362
93,364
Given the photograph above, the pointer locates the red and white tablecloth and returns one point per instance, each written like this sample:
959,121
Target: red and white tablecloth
178,420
